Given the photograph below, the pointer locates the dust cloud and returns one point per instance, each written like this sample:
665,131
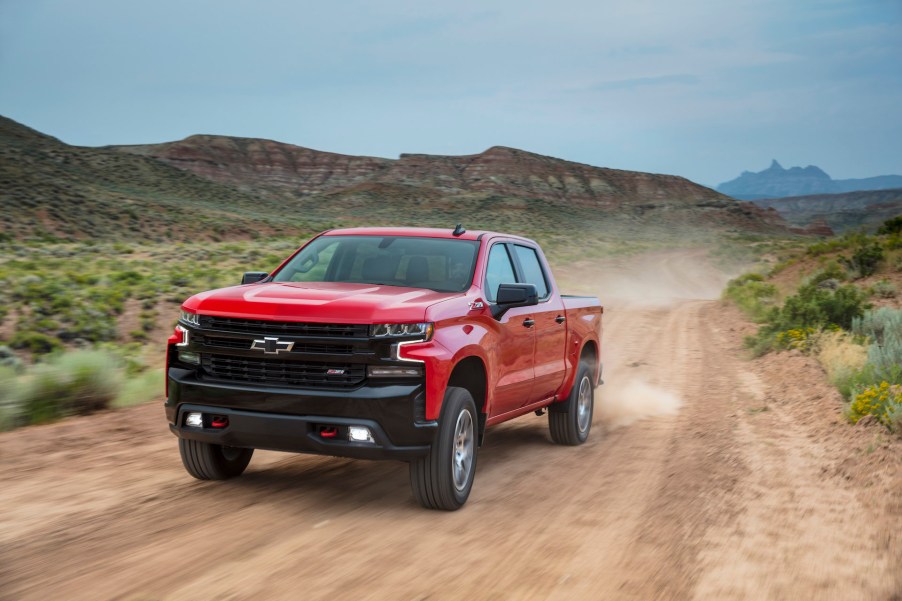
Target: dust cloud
639,293
622,403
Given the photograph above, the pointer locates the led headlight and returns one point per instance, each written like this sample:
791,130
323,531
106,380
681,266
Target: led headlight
385,330
192,319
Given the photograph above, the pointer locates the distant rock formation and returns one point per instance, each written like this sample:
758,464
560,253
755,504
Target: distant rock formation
777,182
840,212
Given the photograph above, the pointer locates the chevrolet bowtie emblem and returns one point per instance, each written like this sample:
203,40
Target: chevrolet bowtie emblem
272,346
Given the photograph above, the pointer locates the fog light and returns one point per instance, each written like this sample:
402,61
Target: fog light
195,420
189,357
393,371
360,434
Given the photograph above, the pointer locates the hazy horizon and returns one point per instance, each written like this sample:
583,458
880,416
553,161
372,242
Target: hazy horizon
701,90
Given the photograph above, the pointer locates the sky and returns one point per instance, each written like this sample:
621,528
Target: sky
700,88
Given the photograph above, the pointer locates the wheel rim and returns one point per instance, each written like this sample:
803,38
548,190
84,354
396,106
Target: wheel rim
230,453
584,405
462,456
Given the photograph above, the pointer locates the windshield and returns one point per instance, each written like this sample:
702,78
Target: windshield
439,264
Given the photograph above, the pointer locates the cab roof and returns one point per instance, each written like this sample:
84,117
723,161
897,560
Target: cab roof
421,232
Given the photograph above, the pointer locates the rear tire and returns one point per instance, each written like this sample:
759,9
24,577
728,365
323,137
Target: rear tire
571,425
207,461
442,479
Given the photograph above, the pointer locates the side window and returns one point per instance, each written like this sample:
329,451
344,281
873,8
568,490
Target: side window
532,269
499,271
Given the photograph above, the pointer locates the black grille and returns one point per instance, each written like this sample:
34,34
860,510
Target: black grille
299,347
257,326
278,372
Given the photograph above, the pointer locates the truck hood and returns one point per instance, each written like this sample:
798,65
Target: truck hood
324,302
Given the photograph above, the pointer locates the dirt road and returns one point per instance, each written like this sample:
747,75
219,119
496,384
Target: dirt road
706,476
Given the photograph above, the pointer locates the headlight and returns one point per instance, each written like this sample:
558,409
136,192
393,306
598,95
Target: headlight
385,330
192,319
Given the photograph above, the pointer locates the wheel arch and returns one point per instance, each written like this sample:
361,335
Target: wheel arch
470,373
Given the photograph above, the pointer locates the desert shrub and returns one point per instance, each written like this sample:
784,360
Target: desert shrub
864,260
36,342
45,394
752,295
882,400
843,357
891,226
881,325
812,309
802,339
141,388
884,289
9,360
78,382
816,307
9,398
93,380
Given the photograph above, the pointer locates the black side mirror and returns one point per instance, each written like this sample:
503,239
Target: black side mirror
514,295
252,277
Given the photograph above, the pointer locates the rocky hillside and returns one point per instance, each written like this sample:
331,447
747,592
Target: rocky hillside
499,179
50,190
842,212
777,182
221,187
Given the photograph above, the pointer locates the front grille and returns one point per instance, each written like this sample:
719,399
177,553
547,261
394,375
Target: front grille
299,347
279,372
293,328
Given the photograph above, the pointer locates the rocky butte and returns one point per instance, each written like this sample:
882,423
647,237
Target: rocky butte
277,169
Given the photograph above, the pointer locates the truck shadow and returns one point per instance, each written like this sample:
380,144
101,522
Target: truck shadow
305,481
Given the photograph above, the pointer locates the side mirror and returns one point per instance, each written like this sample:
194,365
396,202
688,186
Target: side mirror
514,295
251,277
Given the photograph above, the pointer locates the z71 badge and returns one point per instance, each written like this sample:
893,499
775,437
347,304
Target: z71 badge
476,305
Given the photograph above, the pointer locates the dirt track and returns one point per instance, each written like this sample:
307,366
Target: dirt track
741,482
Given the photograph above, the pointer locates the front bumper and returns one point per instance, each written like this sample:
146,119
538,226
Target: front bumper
290,419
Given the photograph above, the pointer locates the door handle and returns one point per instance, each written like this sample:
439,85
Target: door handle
529,322
560,319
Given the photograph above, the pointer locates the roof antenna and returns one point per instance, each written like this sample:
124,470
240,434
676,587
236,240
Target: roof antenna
459,230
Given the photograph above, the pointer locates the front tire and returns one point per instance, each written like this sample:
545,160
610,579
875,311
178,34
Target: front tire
442,479
207,461
571,424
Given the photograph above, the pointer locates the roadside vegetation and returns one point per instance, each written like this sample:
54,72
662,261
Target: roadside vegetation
83,324
845,311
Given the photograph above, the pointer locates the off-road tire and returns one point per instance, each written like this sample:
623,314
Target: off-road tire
207,461
571,424
442,479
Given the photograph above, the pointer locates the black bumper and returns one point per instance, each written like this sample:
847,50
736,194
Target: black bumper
289,419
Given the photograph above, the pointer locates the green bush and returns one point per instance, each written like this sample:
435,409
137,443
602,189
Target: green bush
884,289
816,307
864,260
36,342
9,397
802,315
891,226
752,295
79,382
45,394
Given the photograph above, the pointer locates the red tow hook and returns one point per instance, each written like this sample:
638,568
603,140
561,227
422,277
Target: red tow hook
329,432
219,421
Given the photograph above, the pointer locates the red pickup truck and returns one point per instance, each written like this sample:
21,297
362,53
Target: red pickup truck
383,343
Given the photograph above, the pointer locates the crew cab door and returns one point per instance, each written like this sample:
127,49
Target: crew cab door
550,325
515,346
